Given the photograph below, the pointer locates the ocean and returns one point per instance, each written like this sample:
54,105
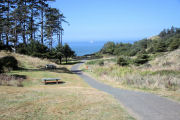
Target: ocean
89,47
83,48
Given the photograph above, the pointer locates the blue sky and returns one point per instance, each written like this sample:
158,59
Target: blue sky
112,20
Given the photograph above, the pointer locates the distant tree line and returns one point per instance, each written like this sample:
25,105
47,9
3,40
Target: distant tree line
167,40
32,27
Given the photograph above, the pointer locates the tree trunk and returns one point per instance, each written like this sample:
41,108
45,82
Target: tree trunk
24,32
7,30
24,28
0,38
42,26
60,60
66,59
7,40
61,37
31,24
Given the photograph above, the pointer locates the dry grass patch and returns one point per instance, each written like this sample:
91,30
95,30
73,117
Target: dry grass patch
47,102
72,100
28,61
152,79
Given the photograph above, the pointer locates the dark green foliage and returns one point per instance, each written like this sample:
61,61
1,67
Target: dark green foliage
101,63
67,52
174,44
141,59
161,46
122,61
8,62
59,53
108,48
168,39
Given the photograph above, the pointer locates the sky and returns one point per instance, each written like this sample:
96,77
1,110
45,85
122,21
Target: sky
117,20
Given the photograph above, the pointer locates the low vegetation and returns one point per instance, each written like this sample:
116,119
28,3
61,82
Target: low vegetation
72,99
158,75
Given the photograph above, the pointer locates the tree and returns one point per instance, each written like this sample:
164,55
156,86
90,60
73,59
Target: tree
60,29
141,59
161,46
108,48
68,52
122,61
59,52
33,6
163,33
23,17
8,5
52,17
43,6
174,44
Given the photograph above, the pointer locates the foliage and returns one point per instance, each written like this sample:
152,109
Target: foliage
101,63
20,23
108,48
141,59
174,44
122,61
8,63
167,40
67,52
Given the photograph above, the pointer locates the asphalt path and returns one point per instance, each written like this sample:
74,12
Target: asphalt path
143,106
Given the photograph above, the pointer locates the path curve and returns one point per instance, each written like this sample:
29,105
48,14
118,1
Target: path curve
145,106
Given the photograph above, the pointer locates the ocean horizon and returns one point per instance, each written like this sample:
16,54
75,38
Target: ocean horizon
89,47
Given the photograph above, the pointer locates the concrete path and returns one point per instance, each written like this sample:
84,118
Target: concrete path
143,106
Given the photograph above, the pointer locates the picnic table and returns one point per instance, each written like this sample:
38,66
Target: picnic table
51,80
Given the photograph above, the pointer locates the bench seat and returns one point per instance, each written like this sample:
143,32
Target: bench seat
51,80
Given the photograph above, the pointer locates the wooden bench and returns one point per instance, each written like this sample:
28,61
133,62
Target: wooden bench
51,80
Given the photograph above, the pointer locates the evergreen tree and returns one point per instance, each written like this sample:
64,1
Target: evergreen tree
174,44
59,52
68,52
52,16
161,46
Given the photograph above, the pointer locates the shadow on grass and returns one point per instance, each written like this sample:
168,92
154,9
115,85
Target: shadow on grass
55,83
19,76
71,63
57,70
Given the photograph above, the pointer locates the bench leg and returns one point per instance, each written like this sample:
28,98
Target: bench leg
56,81
45,82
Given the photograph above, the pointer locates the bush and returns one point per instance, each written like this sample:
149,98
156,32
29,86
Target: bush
101,63
141,59
122,61
174,44
11,80
8,62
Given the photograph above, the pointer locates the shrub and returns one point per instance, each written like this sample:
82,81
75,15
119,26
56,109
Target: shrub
141,59
122,61
174,44
8,62
11,80
101,63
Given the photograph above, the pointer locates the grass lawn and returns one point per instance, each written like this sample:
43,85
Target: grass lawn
72,100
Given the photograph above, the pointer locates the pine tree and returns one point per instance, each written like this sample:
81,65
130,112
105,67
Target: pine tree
52,16
68,52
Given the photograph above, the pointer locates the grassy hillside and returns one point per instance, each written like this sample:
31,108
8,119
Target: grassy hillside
160,75
71,100
27,61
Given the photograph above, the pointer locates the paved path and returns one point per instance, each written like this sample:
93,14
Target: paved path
144,106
